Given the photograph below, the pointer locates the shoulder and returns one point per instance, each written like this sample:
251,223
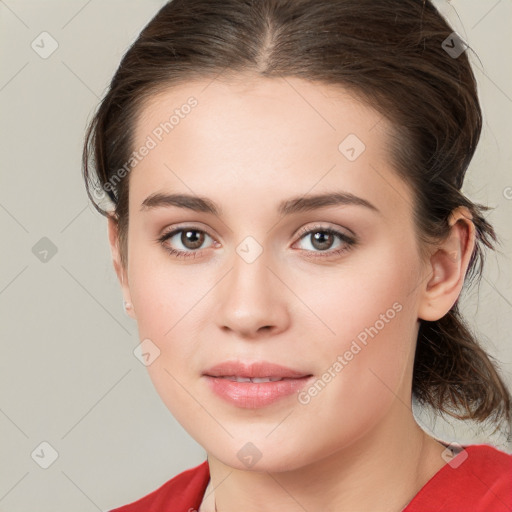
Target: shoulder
182,493
477,478
489,459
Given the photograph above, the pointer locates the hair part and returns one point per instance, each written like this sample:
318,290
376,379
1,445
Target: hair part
388,54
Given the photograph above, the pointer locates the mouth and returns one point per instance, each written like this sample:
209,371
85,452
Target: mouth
254,385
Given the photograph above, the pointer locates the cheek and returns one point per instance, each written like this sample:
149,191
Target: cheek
171,305
167,305
367,291
367,320
163,293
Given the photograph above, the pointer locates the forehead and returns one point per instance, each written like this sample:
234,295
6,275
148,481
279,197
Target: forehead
284,134
258,103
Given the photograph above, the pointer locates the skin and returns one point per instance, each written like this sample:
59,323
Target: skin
248,145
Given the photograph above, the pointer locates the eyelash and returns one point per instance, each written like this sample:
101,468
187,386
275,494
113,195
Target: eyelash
349,242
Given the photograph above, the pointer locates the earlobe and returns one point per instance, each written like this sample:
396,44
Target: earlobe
448,267
128,308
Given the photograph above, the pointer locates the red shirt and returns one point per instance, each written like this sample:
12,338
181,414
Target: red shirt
478,479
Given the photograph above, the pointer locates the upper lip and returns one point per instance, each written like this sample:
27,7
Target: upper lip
253,369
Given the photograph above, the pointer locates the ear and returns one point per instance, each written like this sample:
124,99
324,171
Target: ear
448,266
113,236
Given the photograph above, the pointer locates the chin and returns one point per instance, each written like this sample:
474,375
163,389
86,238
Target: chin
260,455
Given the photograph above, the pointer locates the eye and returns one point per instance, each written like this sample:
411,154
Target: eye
189,241
190,238
321,239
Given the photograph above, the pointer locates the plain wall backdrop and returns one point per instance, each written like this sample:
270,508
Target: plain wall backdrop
68,375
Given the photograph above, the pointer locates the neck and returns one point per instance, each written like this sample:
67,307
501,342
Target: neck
382,471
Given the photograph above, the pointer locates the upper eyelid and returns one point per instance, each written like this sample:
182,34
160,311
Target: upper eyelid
176,229
308,229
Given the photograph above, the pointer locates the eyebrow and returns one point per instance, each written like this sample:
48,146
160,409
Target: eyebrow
287,207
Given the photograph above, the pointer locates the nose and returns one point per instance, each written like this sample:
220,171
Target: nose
252,300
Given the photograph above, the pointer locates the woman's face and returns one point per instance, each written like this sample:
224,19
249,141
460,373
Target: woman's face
263,280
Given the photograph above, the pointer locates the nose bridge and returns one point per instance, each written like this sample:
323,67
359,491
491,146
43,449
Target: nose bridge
250,270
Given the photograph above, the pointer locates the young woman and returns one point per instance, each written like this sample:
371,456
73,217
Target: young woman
290,235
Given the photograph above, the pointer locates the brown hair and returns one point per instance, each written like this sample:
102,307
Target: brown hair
390,54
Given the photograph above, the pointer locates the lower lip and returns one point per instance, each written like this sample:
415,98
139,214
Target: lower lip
252,395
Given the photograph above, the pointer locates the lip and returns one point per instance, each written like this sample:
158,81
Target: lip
255,369
253,395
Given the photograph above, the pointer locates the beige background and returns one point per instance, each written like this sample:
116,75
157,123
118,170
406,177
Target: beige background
68,376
